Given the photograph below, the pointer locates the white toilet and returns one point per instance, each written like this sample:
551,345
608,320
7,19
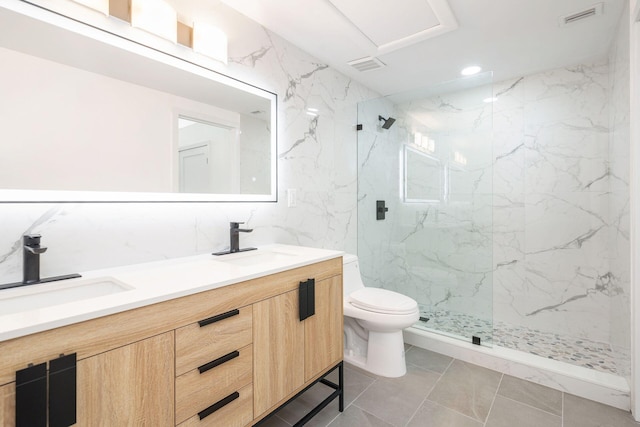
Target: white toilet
373,322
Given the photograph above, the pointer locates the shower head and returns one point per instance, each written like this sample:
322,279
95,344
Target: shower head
387,122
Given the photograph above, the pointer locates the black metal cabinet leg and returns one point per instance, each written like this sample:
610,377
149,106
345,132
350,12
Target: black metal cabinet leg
341,385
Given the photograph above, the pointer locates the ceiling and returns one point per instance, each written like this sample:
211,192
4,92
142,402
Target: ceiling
423,42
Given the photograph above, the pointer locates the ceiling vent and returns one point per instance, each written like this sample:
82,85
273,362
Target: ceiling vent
368,63
594,10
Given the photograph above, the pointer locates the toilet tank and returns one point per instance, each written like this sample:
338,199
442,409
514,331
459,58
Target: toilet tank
351,280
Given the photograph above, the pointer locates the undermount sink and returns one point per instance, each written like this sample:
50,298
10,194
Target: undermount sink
257,257
31,297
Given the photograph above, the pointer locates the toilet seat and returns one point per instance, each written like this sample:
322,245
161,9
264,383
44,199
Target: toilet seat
382,301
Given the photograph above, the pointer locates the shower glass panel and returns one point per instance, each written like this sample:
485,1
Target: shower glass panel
433,169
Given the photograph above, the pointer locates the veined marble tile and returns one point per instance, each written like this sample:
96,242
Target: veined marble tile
564,156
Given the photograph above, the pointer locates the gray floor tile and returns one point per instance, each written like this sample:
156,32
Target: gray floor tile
433,415
507,413
467,388
394,400
275,421
532,394
579,412
361,371
356,417
355,382
426,359
297,409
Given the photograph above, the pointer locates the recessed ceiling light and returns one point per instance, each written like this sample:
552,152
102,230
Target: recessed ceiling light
469,71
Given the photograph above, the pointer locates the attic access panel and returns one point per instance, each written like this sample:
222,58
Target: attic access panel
392,25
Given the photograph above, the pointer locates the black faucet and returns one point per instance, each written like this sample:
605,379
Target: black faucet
234,239
234,235
31,251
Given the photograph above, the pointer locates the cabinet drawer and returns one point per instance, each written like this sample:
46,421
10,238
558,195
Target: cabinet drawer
237,413
197,345
196,391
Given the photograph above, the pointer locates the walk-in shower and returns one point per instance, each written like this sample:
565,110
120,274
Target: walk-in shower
507,210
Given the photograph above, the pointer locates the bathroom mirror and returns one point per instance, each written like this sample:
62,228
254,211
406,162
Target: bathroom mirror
422,176
88,115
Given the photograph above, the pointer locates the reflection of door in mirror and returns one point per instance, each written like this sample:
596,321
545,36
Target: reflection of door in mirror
208,157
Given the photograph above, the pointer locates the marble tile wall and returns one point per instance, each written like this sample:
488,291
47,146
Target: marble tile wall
552,202
316,157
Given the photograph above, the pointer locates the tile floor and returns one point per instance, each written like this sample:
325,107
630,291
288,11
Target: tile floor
439,391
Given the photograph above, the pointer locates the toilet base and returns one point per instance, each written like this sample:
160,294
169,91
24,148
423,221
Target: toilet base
385,355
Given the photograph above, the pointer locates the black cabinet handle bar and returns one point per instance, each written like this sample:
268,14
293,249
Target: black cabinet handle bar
218,318
219,361
213,408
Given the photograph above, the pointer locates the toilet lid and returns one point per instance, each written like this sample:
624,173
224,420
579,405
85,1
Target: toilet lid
383,301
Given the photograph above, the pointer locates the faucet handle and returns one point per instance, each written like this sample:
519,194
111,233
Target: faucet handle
235,224
31,239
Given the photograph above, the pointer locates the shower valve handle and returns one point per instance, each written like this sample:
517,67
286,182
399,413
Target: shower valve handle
381,209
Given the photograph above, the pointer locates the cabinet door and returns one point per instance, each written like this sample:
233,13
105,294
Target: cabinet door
129,386
8,405
278,345
324,330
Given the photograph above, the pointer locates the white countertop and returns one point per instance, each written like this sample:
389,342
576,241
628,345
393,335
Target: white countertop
155,282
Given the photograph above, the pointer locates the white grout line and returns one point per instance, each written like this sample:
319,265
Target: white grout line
426,397
530,406
493,401
562,423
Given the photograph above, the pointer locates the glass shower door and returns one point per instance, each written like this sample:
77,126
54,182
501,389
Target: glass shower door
432,170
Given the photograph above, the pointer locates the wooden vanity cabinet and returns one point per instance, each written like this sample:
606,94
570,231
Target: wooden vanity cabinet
278,350
129,386
214,366
288,352
169,364
323,333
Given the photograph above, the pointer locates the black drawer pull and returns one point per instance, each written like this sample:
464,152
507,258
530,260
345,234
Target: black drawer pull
213,408
218,318
219,361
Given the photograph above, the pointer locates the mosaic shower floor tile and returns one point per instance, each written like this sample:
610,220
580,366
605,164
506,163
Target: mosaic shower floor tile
577,351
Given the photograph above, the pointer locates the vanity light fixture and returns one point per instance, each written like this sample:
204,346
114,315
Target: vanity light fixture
471,70
156,17
101,6
210,41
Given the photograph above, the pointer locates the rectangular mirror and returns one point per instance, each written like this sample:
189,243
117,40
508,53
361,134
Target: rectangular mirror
88,115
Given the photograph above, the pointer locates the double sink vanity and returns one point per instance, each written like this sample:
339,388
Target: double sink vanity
201,340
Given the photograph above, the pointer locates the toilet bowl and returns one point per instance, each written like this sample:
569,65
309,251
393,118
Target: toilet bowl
373,322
